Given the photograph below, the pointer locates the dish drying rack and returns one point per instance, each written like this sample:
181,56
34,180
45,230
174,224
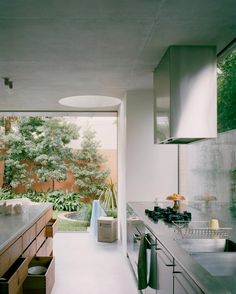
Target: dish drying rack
199,230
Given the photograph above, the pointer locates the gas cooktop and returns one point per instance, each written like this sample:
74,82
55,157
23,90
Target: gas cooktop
168,214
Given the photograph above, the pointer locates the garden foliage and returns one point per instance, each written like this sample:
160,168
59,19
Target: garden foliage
227,93
89,177
36,150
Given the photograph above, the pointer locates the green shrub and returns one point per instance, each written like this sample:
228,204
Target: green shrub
35,196
111,212
86,211
5,195
61,200
108,199
65,201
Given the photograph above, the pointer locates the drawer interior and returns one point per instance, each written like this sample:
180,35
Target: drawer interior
12,280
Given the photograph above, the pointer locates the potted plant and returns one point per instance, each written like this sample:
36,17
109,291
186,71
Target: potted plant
108,199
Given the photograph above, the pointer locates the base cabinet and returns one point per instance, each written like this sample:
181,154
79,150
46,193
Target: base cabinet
170,276
182,283
165,271
12,280
34,246
40,284
184,286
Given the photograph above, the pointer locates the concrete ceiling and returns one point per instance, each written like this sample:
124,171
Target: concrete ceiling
54,48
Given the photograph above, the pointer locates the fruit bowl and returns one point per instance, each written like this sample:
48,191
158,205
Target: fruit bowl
176,198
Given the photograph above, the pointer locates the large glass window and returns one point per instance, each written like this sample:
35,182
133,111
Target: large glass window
226,86
67,159
207,168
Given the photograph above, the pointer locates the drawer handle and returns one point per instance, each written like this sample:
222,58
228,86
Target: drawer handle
138,238
164,259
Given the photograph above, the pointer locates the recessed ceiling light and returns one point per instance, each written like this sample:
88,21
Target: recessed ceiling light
90,101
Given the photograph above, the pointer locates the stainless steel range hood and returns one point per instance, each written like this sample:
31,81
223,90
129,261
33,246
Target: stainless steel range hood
185,95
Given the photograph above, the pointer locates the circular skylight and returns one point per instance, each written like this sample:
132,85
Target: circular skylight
90,101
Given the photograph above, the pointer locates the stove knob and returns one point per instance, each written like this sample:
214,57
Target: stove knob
147,211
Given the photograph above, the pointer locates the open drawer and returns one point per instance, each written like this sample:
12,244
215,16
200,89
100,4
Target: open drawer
46,248
12,280
51,227
41,284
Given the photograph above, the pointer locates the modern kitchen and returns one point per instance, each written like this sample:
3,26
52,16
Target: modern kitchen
157,65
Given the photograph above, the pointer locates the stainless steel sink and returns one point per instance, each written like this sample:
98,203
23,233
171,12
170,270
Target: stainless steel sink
207,245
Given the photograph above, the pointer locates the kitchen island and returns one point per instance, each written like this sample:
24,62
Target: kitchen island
190,272
13,226
25,237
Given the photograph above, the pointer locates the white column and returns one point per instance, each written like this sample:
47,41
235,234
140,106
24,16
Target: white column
151,170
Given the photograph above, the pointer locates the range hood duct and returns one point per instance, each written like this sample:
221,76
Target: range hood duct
185,103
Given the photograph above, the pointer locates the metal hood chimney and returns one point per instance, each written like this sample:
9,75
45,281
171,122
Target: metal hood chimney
185,103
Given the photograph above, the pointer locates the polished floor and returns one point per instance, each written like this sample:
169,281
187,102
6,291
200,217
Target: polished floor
85,266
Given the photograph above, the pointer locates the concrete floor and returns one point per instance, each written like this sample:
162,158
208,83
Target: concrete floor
85,266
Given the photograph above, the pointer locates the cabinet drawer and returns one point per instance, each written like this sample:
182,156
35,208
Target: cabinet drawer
31,250
46,248
166,256
42,284
41,223
183,283
40,239
14,277
51,227
29,236
10,255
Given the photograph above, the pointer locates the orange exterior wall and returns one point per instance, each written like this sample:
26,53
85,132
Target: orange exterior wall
111,163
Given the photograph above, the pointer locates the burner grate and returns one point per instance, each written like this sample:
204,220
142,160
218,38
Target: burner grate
167,214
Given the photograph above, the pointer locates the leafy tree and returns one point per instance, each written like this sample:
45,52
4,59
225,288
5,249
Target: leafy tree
227,93
53,154
89,177
37,151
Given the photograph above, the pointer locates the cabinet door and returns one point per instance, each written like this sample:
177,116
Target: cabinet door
165,271
183,284
135,227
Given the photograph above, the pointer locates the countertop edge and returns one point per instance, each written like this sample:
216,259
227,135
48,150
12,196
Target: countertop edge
205,280
17,235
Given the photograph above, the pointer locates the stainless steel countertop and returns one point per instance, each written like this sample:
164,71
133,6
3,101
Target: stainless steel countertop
12,226
166,235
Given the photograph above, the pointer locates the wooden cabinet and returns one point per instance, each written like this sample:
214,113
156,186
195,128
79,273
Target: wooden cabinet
14,259
40,239
46,248
51,227
31,250
41,283
10,255
13,279
28,236
42,222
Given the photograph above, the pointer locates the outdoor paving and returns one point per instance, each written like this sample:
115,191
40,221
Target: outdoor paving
85,266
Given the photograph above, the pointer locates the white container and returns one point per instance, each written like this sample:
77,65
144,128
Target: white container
107,229
214,224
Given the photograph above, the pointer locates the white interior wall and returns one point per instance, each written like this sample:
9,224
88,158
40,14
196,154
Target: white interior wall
151,170
122,174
